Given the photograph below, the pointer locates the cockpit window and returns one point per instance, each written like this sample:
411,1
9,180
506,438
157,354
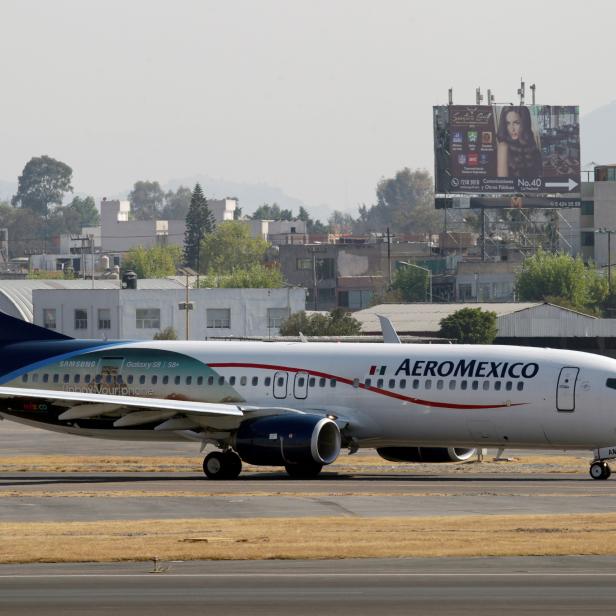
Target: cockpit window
611,383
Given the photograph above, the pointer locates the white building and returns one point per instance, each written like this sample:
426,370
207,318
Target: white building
141,313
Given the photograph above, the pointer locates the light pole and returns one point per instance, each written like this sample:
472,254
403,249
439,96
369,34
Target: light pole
425,269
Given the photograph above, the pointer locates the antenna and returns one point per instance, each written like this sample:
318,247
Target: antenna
490,97
478,95
450,93
532,89
521,90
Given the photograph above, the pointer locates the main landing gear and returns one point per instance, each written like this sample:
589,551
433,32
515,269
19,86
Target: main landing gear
600,470
222,465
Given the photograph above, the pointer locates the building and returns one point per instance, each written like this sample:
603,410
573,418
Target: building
349,274
486,281
115,313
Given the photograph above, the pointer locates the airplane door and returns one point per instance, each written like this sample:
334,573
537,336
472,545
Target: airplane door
281,380
300,385
565,390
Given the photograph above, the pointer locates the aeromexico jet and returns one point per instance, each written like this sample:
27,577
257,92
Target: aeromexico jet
297,405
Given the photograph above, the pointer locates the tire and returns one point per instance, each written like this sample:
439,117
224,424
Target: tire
214,465
232,464
303,471
600,470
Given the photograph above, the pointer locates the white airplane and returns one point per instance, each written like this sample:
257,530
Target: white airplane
297,405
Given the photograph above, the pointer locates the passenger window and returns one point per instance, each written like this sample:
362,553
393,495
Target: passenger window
154,379
368,382
221,380
231,380
67,378
520,385
77,378
428,384
486,385
142,379
416,384
402,383
464,385
255,381
321,382
177,380
166,379
497,386
189,380
611,383
332,383
392,383
56,378
509,386
452,384
24,378
35,377
210,380
87,378
379,383
45,378
243,380
119,379
301,381
475,385
267,382
439,384
130,379
199,380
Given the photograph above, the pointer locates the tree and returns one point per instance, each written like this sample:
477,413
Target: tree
154,262
470,326
177,204
338,322
231,247
25,228
86,209
312,226
272,212
405,203
199,223
166,334
560,275
42,182
257,276
340,222
412,284
146,200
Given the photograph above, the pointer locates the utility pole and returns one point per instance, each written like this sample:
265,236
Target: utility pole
389,256
522,90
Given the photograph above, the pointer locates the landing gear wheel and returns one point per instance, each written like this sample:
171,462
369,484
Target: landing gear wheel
222,465
303,471
600,470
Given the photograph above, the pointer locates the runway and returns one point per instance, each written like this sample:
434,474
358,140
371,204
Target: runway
563,585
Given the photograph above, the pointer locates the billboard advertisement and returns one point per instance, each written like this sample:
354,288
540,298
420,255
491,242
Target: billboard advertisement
507,149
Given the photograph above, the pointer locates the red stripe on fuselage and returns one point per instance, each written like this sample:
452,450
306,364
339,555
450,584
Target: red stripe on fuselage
376,390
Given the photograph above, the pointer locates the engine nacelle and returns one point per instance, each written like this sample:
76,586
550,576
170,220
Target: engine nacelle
426,454
288,439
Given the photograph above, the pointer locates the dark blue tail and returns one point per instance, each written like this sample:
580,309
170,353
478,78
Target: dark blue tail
15,330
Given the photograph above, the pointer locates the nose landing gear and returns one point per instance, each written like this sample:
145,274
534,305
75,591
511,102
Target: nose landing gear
600,470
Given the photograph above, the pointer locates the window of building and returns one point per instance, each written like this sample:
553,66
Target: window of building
275,317
147,318
219,318
81,318
588,238
49,318
104,318
326,295
588,208
465,292
359,298
325,269
303,264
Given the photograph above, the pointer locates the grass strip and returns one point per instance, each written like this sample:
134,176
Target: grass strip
309,538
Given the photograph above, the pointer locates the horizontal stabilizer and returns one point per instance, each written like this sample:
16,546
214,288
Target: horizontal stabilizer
16,330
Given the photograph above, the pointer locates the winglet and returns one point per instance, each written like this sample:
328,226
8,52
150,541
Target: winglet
389,333
302,338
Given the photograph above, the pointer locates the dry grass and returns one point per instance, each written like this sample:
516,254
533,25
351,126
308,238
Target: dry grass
347,464
286,538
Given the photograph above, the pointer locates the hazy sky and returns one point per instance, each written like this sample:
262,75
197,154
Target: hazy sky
318,97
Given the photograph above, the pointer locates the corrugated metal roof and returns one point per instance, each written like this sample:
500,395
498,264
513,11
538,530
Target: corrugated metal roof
18,293
409,318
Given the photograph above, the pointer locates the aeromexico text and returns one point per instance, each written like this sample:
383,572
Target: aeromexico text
470,368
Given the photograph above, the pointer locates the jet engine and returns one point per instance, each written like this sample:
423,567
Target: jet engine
288,440
426,454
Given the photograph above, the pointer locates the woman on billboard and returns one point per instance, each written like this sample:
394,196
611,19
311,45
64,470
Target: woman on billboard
517,154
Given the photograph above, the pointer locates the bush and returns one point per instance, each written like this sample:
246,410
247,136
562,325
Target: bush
470,326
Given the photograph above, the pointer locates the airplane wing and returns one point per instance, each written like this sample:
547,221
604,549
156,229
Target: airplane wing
134,411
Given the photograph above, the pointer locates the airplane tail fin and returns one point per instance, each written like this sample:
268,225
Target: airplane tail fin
16,330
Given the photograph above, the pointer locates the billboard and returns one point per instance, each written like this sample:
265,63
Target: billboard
507,149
